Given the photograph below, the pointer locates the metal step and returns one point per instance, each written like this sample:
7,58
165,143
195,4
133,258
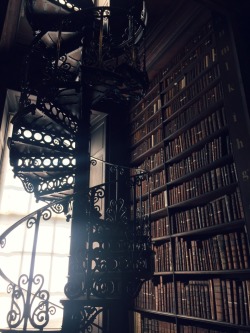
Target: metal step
55,187
47,117
27,140
29,163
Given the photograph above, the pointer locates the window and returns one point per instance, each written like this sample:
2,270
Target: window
15,256
54,234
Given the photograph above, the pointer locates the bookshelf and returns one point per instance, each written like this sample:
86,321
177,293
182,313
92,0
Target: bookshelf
190,132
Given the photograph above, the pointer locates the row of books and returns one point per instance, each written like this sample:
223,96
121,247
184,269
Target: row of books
139,119
208,153
175,147
187,115
156,296
147,144
160,227
192,68
148,102
203,39
153,161
144,324
207,182
150,325
193,49
146,114
209,75
181,103
194,89
205,128
224,209
221,252
155,180
200,63
148,127
210,181
163,257
154,203
218,299
142,188
195,299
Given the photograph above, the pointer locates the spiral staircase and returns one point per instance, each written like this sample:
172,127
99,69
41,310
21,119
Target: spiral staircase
83,57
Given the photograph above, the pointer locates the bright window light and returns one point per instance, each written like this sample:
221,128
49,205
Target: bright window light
15,256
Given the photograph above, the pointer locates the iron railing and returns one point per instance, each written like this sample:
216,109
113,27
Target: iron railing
119,243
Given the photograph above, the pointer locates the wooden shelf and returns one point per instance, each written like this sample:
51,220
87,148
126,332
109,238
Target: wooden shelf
201,231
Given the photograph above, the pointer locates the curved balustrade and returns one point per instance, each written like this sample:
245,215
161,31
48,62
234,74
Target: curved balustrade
83,57
127,252
30,303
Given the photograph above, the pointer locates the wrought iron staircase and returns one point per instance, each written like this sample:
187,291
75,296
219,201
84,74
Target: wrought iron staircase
80,61
117,248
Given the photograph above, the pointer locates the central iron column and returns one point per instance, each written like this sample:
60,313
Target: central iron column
101,276
77,289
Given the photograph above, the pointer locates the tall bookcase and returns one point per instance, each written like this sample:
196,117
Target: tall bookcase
191,133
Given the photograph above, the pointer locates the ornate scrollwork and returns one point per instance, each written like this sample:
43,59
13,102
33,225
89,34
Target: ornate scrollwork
114,168
124,263
96,193
31,221
98,228
117,211
68,68
46,214
87,317
39,304
61,183
57,114
140,178
140,263
142,223
127,252
104,263
51,158
59,208
15,315
39,309
63,64
104,286
93,162
74,289
2,242
27,184
99,193
76,285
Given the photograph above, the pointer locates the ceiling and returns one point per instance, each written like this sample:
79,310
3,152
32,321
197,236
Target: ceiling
157,9
22,34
